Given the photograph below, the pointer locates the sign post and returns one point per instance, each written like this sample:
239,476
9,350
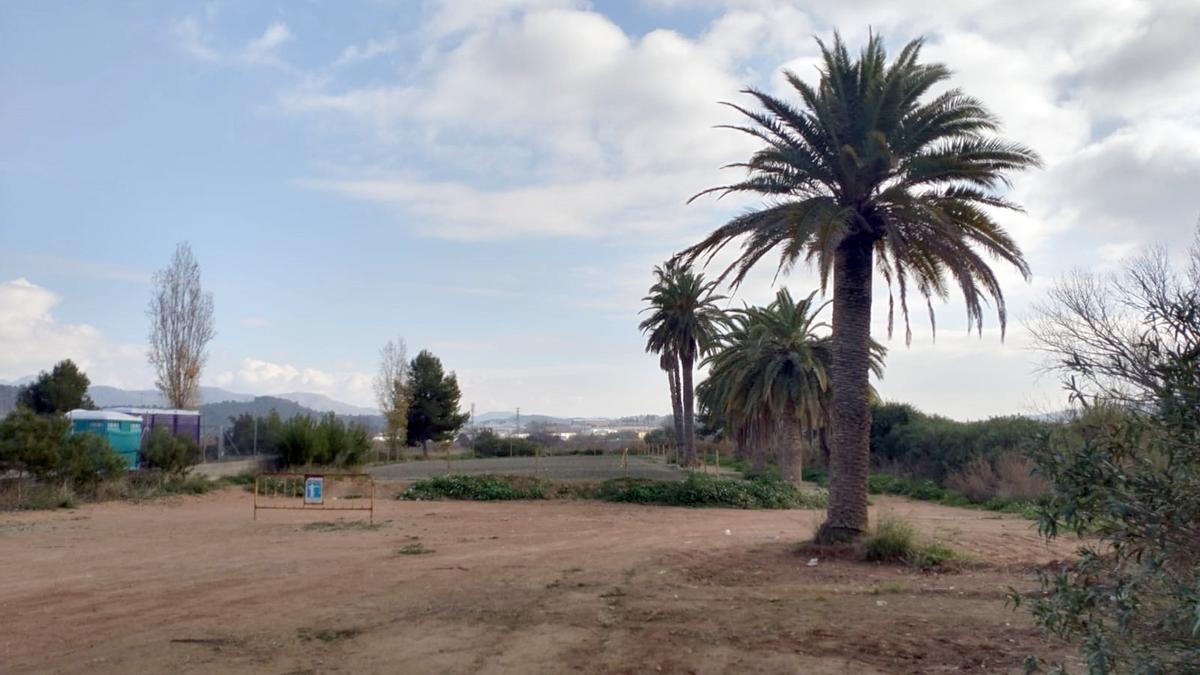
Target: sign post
307,492
314,490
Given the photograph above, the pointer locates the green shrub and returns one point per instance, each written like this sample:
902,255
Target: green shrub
40,446
932,554
191,485
328,442
32,443
346,445
153,483
172,455
244,478
88,460
927,490
703,490
1130,481
478,488
41,497
894,539
488,444
696,490
933,447
301,444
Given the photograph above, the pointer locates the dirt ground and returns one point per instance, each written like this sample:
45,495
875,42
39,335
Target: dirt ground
193,585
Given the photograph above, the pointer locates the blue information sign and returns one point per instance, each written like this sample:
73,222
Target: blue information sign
314,490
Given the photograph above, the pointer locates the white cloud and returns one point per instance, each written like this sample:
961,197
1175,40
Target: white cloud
456,17
532,118
557,122
194,37
1155,70
590,207
31,340
970,376
1136,185
258,376
255,322
371,50
262,49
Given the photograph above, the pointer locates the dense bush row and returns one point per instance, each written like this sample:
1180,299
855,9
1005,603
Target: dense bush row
906,440
484,488
927,490
489,444
326,442
697,490
42,466
704,490
170,454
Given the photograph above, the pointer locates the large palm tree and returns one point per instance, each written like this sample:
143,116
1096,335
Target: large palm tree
670,363
684,322
769,377
873,171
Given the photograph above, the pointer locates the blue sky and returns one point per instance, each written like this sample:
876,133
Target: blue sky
494,180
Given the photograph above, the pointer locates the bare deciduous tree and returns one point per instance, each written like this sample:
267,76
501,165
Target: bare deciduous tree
181,326
392,392
1103,331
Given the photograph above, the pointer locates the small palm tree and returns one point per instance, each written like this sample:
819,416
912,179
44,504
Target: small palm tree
870,172
769,377
683,324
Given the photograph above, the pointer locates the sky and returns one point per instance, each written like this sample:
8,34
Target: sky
495,180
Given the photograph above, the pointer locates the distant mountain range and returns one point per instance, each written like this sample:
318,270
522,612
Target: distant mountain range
511,416
8,398
212,398
107,397
220,413
505,420
218,405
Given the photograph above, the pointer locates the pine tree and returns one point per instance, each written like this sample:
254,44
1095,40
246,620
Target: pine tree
433,411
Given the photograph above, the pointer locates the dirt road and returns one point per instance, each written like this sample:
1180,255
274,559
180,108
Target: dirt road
192,585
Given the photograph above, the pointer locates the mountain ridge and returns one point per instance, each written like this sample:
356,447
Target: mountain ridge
105,396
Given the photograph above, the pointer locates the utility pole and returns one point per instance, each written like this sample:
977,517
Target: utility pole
514,433
474,431
256,436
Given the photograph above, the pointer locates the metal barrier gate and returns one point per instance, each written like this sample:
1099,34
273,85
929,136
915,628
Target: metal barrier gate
315,492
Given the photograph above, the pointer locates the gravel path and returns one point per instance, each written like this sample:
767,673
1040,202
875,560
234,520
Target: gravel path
569,467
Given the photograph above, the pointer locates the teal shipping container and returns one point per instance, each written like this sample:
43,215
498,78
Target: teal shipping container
123,432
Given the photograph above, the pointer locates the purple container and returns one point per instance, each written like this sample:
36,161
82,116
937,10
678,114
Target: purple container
185,423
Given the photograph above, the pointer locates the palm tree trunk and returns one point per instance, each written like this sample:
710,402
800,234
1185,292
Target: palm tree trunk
823,441
759,459
851,415
676,403
689,401
790,451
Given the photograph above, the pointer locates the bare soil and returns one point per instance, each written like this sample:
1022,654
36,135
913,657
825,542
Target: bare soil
193,585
